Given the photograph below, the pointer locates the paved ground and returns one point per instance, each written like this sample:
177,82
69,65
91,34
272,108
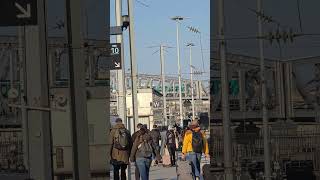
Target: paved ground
162,173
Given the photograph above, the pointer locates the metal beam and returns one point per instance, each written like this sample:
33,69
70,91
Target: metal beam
116,30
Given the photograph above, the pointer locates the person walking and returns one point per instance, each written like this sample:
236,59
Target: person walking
141,153
155,134
194,144
121,148
171,145
163,135
134,136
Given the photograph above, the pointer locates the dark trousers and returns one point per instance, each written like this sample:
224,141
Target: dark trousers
116,174
172,152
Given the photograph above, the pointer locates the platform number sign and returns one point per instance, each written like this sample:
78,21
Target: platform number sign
115,49
115,56
18,12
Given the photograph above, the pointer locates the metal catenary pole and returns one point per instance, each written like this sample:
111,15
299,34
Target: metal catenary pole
263,102
225,95
121,73
163,85
134,90
78,100
37,94
177,19
191,79
122,105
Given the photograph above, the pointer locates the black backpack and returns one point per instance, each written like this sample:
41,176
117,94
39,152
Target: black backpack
197,142
121,140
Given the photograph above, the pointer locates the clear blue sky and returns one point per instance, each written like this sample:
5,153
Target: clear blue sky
153,26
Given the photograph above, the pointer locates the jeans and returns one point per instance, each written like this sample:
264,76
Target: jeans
195,159
144,167
116,174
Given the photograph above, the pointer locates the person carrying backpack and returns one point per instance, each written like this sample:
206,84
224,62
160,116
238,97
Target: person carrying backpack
171,145
134,136
121,148
142,151
194,144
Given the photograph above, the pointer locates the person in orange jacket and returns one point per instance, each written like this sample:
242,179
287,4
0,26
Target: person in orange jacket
194,144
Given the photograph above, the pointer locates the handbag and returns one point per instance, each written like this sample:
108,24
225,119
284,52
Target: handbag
166,152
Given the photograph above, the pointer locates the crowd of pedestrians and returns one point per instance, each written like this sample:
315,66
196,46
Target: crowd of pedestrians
159,146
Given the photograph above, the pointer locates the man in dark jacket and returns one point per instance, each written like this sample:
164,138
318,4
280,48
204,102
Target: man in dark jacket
171,145
155,134
134,135
121,148
141,153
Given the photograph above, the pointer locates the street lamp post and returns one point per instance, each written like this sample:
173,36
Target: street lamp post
177,19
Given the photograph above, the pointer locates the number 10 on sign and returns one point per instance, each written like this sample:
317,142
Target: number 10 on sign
115,49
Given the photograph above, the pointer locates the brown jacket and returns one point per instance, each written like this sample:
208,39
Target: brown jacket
138,140
120,156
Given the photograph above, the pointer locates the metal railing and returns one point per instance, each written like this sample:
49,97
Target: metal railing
11,151
302,145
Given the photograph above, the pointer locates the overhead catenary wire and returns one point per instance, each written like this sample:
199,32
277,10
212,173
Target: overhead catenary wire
142,3
299,15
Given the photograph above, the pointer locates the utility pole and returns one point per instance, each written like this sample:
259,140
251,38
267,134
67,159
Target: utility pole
225,94
163,85
191,79
78,99
134,90
267,170
177,19
121,73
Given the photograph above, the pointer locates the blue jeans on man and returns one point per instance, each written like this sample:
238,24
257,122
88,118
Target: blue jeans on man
195,159
144,167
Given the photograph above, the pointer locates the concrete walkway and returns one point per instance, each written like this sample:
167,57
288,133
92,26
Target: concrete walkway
162,173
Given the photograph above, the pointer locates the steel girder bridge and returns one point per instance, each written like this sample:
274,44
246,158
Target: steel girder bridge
201,88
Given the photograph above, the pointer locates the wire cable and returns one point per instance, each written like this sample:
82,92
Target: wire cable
299,14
